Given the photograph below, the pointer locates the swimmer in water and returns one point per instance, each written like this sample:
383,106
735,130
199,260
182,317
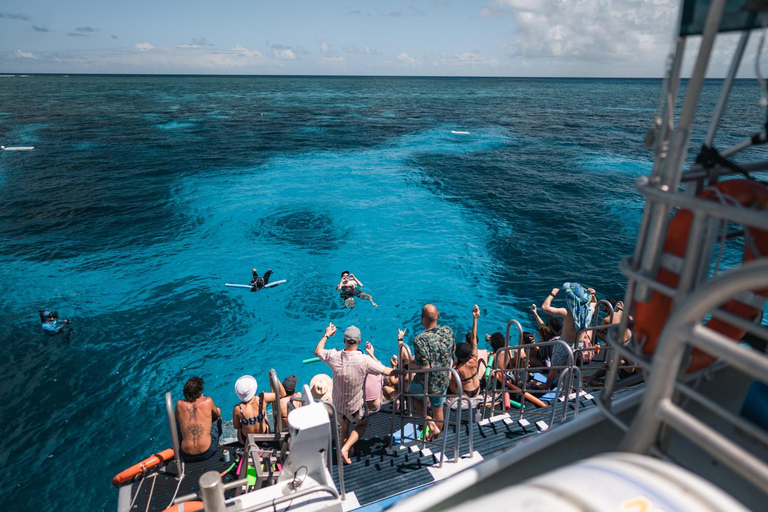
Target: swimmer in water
257,283
51,323
349,290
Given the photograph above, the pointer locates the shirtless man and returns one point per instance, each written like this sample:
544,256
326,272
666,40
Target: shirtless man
584,307
569,326
349,290
195,417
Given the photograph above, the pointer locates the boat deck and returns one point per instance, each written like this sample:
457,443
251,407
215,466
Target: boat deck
376,472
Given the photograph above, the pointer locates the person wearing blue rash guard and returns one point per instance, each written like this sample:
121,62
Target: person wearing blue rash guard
51,322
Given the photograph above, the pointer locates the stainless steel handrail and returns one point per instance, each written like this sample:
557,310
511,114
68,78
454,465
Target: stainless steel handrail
174,435
567,371
403,394
277,413
684,329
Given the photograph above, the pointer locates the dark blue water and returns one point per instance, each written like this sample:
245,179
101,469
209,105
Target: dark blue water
145,195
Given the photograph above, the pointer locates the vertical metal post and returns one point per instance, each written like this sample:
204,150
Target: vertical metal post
694,254
662,142
277,412
734,68
680,139
669,177
174,433
212,492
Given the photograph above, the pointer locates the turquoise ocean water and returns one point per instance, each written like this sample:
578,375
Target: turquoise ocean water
145,195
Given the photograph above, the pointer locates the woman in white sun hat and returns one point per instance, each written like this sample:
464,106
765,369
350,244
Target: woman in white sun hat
249,416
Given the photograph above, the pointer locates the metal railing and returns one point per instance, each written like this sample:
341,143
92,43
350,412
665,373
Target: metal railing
568,381
277,413
695,267
174,435
404,399
684,331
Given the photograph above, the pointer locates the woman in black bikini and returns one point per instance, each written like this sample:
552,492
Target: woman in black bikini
249,416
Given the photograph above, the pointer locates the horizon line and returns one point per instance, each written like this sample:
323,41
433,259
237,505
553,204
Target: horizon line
8,74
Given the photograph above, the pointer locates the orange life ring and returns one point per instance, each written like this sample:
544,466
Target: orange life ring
139,469
650,317
187,506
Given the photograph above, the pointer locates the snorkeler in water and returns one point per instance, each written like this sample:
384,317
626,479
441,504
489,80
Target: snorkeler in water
349,286
257,283
51,322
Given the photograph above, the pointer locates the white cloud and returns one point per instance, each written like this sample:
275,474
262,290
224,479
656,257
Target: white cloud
187,46
405,60
463,60
240,50
334,59
324,46
143,46
25,55
370,51
596,31
283,54
160,60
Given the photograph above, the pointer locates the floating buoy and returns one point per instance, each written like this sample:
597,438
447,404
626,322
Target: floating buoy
17,148
141,467
185,506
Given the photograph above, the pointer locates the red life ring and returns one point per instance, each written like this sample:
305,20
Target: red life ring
650,317
187,506
140,468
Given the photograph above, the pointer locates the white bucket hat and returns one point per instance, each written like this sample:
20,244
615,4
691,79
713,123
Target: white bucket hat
246,387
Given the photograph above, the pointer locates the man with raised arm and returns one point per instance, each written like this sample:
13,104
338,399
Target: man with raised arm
432,348
349,367
576,316
198,421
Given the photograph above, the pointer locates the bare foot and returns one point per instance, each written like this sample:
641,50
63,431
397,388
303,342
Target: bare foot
374,304
433,434
345,456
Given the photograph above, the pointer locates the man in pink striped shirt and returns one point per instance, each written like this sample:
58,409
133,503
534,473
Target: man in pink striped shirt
350,367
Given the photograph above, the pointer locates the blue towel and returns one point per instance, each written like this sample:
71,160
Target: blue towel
577,299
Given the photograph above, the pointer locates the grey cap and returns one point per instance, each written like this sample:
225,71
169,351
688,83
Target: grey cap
352,335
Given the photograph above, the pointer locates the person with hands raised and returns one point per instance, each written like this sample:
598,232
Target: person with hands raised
350,368
349,286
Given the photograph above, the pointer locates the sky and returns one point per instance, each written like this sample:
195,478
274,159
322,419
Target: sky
547,38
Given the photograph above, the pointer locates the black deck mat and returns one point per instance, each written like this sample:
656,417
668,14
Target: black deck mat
376,472
165,484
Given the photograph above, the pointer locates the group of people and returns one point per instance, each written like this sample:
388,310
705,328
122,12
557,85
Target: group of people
360,382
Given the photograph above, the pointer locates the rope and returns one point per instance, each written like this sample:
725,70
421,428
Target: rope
136,494
151,492
181,477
